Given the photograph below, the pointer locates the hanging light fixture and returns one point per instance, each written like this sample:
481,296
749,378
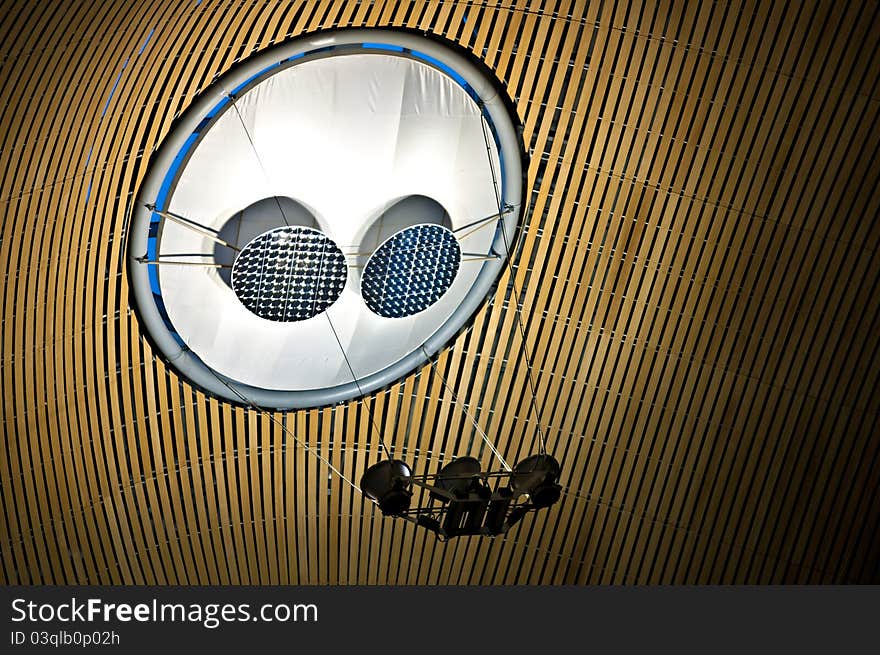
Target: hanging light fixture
461,499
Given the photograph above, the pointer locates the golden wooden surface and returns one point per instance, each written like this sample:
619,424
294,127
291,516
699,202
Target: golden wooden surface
698,276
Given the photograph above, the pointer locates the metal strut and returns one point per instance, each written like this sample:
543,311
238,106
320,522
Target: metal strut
192,225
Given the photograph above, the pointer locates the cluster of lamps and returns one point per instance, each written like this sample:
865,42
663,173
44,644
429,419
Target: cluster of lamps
460,498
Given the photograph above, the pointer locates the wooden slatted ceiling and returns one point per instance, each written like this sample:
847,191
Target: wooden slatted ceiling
698,280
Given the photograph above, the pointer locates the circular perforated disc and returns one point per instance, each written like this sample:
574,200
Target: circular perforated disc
289,274
411,271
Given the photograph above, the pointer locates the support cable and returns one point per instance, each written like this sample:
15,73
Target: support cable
345,356
523,347
358,385
465,410
232,98
263,412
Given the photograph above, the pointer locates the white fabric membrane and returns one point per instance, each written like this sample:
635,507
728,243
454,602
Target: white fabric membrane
347,136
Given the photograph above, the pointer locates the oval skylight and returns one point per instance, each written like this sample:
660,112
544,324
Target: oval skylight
358,140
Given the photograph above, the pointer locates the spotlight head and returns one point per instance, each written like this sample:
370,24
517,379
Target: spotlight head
388,484
458,477
538,476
